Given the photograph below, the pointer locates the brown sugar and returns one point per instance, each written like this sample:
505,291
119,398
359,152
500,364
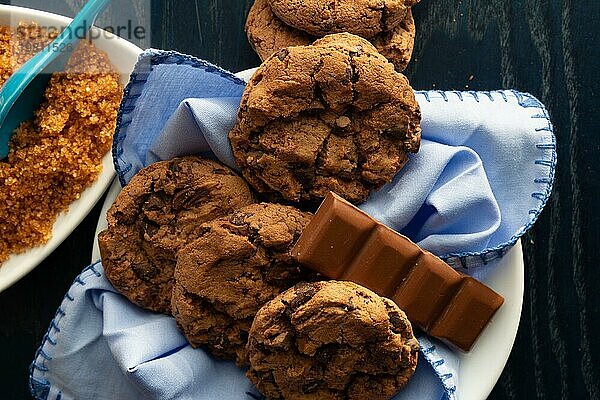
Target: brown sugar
55,157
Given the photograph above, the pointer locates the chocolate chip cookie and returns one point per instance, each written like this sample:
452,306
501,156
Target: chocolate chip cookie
237,264
333,116
331,340
268,34
366,18
397,45
155,214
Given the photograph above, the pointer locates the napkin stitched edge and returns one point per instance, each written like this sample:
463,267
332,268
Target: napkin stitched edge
525,100
39,386
135,86
430,353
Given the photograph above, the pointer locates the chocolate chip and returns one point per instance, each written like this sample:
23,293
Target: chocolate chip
303,292
343,121
154,203
396,132
311,386
151,228
282,54
188,198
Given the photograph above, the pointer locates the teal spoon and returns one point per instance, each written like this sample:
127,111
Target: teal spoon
23,92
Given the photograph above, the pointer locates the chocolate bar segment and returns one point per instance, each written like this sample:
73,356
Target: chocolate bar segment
334,237
426,290
467,314
344,243
394,261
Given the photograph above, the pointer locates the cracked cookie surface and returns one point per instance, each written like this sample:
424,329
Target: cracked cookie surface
366,18
237,264
268,34
333,116
331,340
155,214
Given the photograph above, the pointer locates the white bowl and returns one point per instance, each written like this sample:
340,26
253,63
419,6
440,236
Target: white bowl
123,55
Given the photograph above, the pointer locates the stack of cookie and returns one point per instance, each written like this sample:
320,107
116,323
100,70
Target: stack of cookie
189,237
181,240
388,25
161,209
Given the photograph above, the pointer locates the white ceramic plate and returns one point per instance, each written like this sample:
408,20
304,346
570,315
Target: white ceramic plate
123,56
480,368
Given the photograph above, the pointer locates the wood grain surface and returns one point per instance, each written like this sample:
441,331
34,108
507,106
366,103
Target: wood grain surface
550,48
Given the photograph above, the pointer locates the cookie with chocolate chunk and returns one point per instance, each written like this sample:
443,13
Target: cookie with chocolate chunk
333,116
268,34
331,340
237,264
366,18
398,44
160,210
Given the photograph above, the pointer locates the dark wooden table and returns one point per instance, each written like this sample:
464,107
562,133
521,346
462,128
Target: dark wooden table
549,48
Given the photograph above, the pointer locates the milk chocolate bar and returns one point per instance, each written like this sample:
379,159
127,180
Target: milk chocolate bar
344,243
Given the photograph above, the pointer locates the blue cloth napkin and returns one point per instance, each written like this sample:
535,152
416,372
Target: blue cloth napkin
482,176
